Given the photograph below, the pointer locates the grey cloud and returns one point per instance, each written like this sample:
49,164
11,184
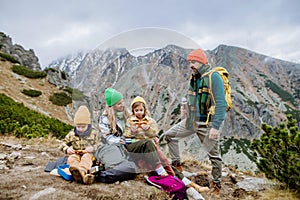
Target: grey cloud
54,28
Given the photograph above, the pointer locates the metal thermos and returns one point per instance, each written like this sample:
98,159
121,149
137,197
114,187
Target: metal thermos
184,103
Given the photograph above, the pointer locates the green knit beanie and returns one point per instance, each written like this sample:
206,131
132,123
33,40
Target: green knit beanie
112,96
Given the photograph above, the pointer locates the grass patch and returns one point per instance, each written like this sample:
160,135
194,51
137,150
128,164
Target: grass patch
32,93
285,96
60,99
9,57
25,71
18,120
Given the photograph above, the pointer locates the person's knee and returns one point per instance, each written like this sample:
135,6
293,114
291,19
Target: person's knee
150,144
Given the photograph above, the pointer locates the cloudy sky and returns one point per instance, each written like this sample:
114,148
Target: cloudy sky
55,28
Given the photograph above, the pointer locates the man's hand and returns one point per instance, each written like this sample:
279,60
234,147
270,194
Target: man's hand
183,110
214,133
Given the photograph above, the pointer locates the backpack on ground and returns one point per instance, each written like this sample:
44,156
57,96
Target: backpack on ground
53,165
126,170
227,88
172,185
110,155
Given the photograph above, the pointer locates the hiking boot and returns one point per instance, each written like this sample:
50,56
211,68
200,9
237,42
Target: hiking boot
214,189
199,188
178,165
77,173
89,179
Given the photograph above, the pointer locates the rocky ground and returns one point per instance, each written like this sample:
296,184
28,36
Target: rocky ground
22,164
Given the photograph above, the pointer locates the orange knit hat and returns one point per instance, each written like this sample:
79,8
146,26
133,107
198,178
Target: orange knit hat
198,55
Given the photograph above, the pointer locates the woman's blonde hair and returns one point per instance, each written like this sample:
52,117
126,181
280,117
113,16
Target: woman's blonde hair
111,115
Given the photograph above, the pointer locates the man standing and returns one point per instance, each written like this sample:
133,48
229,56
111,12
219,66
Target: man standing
206,126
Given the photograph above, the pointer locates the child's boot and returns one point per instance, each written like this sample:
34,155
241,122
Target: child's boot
77,173
89,179
199,188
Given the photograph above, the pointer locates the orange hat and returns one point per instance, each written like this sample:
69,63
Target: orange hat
197,55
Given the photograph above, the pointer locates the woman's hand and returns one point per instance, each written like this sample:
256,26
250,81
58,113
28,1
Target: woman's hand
156,141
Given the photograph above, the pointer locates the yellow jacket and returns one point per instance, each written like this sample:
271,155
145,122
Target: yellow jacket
141,134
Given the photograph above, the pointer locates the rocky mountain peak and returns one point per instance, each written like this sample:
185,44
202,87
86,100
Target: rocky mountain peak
25,57
259,83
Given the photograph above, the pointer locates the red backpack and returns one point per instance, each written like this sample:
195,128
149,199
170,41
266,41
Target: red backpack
172,185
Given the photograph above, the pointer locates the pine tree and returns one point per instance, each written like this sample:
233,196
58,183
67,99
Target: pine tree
279,153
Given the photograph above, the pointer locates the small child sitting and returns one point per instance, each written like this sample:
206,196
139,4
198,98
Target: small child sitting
141,126
80,144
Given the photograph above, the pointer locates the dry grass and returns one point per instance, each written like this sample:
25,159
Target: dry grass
277,194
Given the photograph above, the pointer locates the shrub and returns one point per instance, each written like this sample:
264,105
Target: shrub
279,152
295,113
24,71
9,58
20,121
76,94
32,93
284,95
60,99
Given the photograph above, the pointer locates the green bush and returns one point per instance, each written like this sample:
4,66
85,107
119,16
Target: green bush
279,153
24,71
32,93
285,96
60,99
76,94
50,69
20,121
9,58
241,146
295,113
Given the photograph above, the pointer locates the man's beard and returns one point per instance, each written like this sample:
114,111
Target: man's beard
196,73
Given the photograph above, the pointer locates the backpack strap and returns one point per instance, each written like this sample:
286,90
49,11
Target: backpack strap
211,110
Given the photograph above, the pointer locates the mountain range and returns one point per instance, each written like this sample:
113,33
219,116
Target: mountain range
264,89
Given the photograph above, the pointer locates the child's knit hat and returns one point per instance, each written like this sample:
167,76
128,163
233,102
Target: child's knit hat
82,116
112,96
138,99
197,55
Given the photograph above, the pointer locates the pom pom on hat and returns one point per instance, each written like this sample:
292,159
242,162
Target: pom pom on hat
82,116
112,96
138,99
198,55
